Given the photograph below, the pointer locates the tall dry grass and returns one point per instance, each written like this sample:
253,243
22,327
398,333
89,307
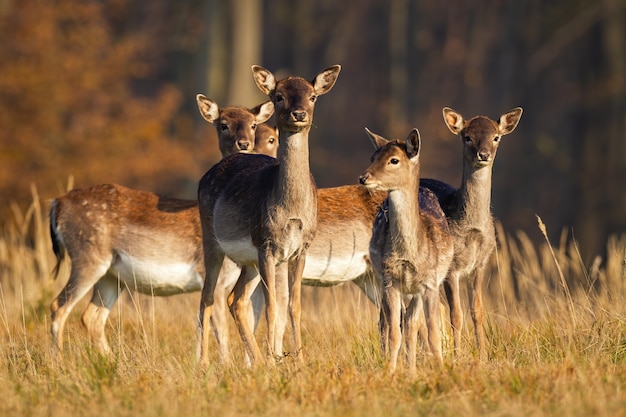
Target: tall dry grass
555,325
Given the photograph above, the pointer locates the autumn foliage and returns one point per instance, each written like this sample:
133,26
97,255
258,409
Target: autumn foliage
74,102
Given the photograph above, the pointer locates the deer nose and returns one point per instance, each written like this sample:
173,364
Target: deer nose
243,145
484,155
298,116
363,178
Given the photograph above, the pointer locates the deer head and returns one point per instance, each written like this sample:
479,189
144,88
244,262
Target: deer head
481,135
294,97
394,163
236,126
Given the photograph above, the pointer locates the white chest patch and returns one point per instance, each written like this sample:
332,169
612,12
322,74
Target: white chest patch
159,277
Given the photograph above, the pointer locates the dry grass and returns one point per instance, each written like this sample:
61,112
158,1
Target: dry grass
556,327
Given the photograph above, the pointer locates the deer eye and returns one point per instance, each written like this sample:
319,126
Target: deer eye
313,98
496,138
223,126
279,98
467,139
394,161
254,126
272,139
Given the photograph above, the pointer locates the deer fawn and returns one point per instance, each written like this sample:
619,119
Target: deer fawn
262,212
411,247
240,129
469,213
117,237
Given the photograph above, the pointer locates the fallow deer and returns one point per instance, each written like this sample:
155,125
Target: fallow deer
237,131
411,246
117,236
468,209
262,212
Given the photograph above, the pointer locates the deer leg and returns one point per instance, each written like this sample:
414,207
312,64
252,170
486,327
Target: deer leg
83,277
282,307
296,268
228,276
475,292
431,307
383,327
267,269
451,286
257,300
258,305
421,329
392,305
240,309
415,325
105,294
213,260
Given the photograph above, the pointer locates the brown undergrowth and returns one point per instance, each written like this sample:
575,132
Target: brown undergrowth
556,329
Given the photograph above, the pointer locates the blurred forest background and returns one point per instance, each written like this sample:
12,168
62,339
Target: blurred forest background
104,91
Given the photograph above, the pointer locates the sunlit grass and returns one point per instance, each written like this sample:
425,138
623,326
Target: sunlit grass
551,351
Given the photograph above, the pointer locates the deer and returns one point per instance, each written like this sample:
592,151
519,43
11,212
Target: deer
118,237
262,213
411,246
468,209
236,131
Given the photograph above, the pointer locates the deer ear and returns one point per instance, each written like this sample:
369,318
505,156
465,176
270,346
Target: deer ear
263,112
325,80
413,143
453,120
377,140
508,121
209,109
264,79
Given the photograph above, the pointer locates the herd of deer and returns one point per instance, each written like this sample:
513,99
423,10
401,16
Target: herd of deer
259,219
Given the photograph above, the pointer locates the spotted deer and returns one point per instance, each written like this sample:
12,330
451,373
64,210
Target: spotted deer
411,246
262,213
117,237
468,209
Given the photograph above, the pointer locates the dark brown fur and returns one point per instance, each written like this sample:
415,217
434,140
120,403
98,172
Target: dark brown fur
263,213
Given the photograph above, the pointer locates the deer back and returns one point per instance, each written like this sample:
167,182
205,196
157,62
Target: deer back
125,229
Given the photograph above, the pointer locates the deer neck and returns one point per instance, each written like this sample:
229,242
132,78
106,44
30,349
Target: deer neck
475,194
294,184
404,219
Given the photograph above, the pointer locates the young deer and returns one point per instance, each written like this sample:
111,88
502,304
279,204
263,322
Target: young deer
411,247
469,213
262,212
237,131
117,237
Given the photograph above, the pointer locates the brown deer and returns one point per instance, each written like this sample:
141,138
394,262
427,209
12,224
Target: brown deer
262,212
117,237
468,209
411,247
266,140
237,131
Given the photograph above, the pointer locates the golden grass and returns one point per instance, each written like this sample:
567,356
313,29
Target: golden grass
557,346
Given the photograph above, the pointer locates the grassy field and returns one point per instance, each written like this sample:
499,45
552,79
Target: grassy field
556,329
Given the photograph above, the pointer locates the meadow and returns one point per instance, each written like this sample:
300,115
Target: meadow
556,331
